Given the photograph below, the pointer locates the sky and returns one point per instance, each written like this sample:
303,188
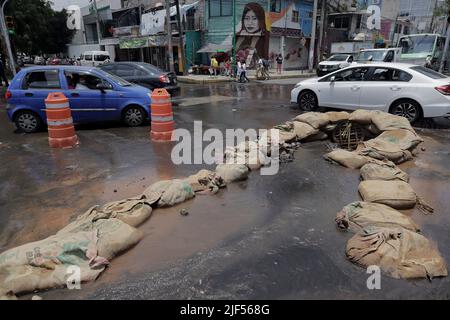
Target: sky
60,4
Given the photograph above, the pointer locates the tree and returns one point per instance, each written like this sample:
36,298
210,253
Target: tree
39,29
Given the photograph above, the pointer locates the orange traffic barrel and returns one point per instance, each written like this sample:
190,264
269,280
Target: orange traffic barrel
162,116
61,132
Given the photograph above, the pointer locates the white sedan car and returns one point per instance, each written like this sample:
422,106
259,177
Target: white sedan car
406,90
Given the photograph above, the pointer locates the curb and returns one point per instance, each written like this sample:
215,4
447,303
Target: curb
187,79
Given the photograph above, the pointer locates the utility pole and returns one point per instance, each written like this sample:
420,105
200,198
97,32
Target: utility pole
169,37
182,57
6,38
234,56
322,27
99,35
313,38
447,42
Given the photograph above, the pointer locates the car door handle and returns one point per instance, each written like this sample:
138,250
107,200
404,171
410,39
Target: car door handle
355,88
28,94
395,88
75,94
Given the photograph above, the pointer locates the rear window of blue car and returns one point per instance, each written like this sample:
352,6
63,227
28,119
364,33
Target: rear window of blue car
48,79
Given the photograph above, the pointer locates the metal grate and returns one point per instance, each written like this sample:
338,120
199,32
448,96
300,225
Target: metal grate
348,135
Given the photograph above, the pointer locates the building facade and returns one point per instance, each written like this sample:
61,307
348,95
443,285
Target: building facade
262,28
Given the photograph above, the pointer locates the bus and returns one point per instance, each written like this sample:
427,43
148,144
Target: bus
424,49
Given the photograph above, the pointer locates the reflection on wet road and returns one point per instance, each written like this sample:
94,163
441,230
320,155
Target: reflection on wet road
268,237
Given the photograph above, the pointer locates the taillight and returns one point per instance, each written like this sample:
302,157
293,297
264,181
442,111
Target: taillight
444,89
164,79
8,95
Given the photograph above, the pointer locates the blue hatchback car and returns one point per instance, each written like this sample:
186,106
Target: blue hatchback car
93,94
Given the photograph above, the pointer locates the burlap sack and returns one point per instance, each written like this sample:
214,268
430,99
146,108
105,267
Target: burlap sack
346,158
359,215
361,116
45,264
205,181
404,139
386,122
383,171
172,192
303,130
232,172
396,194
317,137
335,117
382,150
133,211
314,119
399,253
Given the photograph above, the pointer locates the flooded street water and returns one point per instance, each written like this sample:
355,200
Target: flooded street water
270,237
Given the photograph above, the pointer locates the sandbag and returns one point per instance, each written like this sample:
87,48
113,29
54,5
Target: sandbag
115,237
287,136
254,160
358,215
346,158
303,130
172,192
44,264
396,194
205,181
265,140
335,117
383,150
386,121
317,137
400,253
361,116
383,171
232,172
404,139
314,119
133,211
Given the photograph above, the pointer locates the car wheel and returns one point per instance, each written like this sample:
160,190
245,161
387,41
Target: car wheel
28,121
134,116
307,101
408,109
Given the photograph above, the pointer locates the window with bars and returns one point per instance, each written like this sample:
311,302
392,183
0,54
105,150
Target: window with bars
220,8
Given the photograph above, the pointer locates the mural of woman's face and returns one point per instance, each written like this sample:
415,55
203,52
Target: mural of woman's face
251,22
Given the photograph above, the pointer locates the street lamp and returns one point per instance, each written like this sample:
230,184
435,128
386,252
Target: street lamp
7,41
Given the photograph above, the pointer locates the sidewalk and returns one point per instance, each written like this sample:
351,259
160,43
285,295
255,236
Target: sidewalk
205,79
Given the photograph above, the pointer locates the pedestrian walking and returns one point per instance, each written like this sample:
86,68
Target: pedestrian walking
279,63
214,66
242,71
3,74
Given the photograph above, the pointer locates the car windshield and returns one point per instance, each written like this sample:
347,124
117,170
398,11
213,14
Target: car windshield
429,72
121,82
417,44
338,57
377,55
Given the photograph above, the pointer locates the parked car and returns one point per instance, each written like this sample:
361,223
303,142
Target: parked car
93,94
403,89
144,74
39,60
334,63
94,58
378,55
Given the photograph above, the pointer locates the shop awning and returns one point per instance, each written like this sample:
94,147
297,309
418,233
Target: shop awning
213,47
133,43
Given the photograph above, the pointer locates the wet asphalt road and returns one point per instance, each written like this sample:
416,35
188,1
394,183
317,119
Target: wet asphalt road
270,237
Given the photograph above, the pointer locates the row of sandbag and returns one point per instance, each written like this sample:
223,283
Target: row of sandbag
384,236
94,238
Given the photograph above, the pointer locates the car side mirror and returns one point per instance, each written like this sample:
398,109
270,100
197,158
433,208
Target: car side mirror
332,79
102,87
